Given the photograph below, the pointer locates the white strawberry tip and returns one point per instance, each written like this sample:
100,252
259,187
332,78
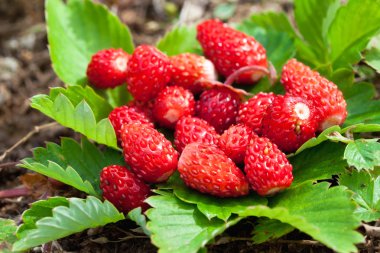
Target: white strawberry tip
121,63
274,190
172,115
302,111
209,70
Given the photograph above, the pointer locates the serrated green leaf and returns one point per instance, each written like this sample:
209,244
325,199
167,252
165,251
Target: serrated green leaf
279,46
118,96
140,219
355,23
212,206
75,164
39,210
273,21
366,194
67,108
76,31
324,213
7,234
372,58
268,229
318,15
81,214
363,154
317,163
179,227
181,39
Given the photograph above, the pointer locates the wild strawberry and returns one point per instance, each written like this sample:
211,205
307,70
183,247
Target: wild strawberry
148,73
145,108
267,168
188,69
300,80
234,141
171,104
192,129
230,50
207,169
289,122
108,68
219,106
149,154
251,112
123,189
124,115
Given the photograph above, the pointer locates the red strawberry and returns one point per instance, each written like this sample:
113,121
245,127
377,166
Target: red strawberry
149,154
300,80
145,108
219,106
124,115
234,142
123,189
108,68
267,168
251,112
231,50
207,169
192,129
289,122
188,69
148,73
171,104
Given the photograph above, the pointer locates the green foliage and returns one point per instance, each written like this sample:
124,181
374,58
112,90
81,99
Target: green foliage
366,194
75,164
363,154
279,45
180,39
324,213
350,31
179,227
80,109
139,218
372,58
81,214
268,229
320,162
7,234
212,206
76,31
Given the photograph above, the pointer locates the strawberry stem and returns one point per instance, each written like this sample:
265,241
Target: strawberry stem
14,192
231,78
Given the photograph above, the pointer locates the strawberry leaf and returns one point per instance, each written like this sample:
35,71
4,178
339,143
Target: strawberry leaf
140,219
80,109
372,58
212,206
279,45
319,15
366,194
272,21
76,31
363,154
268,229
354,24
177,226
324,213
7,234
74,164
181,39
81,214
39,210
308,165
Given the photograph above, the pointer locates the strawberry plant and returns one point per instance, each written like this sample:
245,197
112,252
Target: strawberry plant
216,157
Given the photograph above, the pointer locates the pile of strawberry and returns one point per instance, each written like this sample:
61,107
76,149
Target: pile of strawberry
223,145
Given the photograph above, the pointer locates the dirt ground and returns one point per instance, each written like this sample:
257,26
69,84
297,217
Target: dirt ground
25,70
